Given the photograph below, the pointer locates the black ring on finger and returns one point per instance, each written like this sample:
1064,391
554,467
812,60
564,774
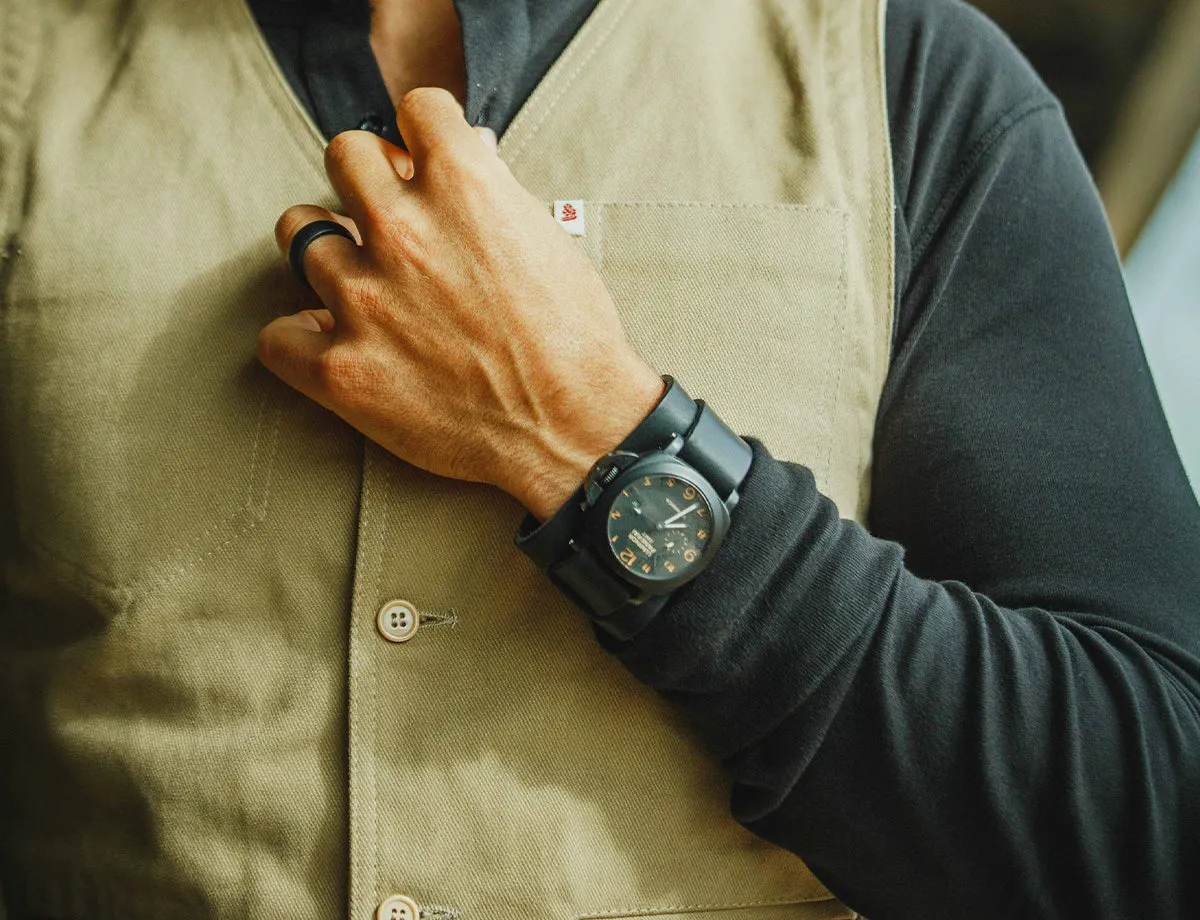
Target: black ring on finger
305,237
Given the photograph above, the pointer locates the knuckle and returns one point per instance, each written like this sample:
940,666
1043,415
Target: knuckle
457,165
340,148
386,217
393,224
336,371
456,175
422,96
289,223
351,376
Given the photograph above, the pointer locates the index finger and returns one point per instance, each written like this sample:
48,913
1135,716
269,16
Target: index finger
363,173
432,122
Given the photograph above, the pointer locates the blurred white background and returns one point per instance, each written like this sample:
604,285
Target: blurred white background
1163,277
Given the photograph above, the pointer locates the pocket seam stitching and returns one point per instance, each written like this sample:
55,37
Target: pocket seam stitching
268,409
635,913
745,205
251,510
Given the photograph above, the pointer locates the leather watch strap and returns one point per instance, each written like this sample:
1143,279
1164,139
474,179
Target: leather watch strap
615,605
586,579
547,542
720,455
673,414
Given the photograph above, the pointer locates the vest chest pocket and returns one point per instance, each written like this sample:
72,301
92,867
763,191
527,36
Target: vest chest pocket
140,429
747,305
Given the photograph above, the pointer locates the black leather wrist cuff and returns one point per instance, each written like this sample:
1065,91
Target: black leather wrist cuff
617,607
546,542
672,414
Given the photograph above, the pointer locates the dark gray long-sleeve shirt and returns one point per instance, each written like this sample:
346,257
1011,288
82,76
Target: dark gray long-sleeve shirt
988,703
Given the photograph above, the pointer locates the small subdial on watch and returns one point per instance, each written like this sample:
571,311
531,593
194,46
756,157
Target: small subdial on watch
659,526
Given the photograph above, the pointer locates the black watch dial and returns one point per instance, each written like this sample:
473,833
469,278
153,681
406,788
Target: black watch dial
659,527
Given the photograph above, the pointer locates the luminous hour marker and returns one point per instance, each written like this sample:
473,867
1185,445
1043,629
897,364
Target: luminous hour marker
614,514
614,539
669,566
646,480
670,483
646,567
628,556
700,534
689,555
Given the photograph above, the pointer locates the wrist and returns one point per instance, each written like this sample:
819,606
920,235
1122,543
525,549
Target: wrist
566,456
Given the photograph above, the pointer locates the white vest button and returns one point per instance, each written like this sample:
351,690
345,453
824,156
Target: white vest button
397,622
398,907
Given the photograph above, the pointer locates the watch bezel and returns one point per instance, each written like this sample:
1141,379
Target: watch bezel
595,531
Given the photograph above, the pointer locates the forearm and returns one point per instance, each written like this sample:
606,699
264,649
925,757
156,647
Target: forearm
926,750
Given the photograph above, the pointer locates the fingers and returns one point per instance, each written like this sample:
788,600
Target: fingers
432,122
329,259
316,320
488,136
363,167
365,172
294,348
402,160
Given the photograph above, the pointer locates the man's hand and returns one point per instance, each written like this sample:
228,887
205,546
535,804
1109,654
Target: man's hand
466,333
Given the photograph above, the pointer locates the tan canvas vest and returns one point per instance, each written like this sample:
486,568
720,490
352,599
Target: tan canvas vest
200,716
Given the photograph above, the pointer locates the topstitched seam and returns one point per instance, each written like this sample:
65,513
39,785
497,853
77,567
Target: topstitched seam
634,912
844,300
519,153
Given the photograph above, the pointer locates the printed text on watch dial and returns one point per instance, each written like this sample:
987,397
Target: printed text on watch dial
658,527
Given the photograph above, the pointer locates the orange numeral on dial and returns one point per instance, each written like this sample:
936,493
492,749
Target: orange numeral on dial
614,515
628,556
689,493
689,555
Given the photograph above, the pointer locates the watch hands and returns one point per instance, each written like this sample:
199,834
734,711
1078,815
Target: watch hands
669,522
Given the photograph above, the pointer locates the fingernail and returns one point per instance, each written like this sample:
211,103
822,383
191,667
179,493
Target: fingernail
489,136
308,321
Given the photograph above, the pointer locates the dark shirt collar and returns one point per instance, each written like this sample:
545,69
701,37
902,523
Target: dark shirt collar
324,49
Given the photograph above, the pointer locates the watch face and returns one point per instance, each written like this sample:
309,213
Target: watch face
659,526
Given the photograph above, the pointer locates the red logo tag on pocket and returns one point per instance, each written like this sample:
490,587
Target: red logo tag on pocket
570,216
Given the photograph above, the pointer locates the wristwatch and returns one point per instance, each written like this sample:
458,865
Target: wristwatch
647,519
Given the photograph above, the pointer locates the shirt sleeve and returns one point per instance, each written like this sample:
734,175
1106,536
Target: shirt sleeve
988,704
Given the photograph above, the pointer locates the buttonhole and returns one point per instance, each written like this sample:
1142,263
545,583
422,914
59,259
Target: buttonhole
449,619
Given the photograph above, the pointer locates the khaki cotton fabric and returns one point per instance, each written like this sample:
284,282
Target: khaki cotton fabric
199,715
